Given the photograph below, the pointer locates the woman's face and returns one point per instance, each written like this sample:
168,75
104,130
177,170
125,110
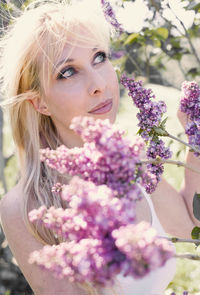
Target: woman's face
84,85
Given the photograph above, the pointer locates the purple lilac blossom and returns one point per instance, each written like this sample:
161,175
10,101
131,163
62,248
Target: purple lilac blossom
191,128
117,54
157,150
190,105
149,116
150,112
110,15
100,237
149,181
190,101
107,157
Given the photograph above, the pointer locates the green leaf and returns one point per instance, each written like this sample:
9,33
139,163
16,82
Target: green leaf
131,38
162,32
178,154
175,42
160,131
194,72
177,56
157,43
195,234
196,206
162,124
140,131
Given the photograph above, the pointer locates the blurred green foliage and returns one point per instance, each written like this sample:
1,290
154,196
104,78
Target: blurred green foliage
160,40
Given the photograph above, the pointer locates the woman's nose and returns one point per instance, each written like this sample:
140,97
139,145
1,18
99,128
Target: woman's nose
96,83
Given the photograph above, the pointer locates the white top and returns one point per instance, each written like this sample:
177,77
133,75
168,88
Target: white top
156,281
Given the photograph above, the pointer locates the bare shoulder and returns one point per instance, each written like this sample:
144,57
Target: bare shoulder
10,205
10,213
22,243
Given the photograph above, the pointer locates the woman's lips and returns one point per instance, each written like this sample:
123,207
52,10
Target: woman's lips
102,108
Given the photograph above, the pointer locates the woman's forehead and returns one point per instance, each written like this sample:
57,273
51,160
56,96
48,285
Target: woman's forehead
75,45
72,53
59,47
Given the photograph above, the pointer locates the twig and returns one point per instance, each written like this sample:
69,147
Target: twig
184,28
134,63
187,256
193,148
179,240
184,255
186,35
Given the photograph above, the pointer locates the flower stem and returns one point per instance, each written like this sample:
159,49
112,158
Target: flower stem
188,256
177,163
179,240
193,148
184,255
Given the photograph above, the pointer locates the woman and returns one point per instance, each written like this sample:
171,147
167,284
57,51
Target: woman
54,67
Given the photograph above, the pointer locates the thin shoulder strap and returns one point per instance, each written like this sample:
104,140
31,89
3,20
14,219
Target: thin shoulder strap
155,221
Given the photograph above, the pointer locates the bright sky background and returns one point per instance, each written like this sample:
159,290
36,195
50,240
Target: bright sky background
133,15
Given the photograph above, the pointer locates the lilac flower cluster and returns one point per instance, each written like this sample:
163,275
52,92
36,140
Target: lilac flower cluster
150,112
87,261
110,15
91,211
101,239
106,157
156,150
190,105
190,102
149,180
149,116
145,251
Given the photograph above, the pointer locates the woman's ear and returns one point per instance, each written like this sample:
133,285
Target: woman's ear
40,105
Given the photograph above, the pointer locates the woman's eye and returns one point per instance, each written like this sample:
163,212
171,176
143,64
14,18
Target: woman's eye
100,57
66,73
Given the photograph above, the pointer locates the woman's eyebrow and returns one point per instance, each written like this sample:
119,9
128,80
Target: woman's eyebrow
64,61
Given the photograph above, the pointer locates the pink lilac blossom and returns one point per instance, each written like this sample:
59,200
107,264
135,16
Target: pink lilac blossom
107,157
100,237
149,116
57,188
142,248
190,105
86,261
91,211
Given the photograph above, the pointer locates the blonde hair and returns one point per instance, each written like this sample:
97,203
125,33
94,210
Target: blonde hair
29,48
